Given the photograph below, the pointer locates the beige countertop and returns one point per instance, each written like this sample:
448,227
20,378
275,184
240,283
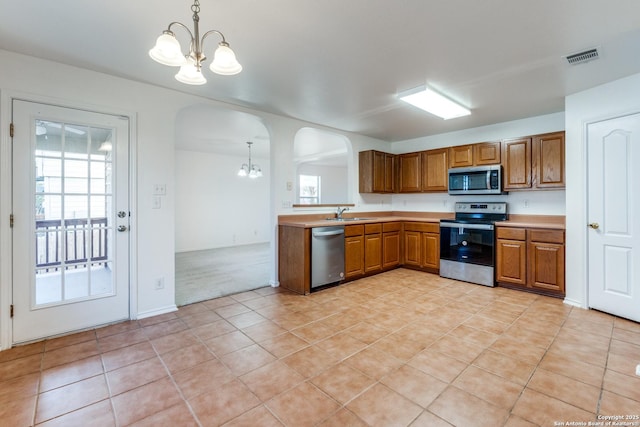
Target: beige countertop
556,222
319,220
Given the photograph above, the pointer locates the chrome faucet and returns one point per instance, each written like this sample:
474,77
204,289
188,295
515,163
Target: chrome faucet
340,211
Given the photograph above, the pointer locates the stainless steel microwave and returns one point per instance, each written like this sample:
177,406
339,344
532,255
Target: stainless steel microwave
475,180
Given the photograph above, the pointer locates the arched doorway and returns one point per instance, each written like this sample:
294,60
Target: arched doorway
222,242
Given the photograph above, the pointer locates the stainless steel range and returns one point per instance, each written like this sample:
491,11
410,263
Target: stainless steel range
467,243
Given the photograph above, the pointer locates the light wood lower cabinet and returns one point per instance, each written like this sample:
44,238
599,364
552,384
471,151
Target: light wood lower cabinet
294,258
372,248
353,251
422,246
531,259
391,244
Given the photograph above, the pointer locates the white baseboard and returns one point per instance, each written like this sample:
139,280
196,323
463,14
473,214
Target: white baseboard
274,283
156,312
573,303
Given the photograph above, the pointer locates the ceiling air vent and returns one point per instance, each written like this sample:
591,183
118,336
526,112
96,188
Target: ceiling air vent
582,57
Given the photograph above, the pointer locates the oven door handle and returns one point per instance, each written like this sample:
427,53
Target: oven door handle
469,226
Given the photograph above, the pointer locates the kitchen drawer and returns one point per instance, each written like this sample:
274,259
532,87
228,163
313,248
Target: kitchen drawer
372,228
425,227
353,230
546,236
511,233
391,226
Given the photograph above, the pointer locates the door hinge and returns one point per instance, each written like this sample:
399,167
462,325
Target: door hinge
11,311
11,221
11,130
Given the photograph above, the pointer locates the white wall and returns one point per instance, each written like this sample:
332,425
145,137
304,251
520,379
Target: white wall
519,202
333,182
613,99
216,208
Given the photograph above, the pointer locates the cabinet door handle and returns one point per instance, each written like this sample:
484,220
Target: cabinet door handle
594,225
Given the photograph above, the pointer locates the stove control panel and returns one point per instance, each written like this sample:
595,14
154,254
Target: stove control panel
481,207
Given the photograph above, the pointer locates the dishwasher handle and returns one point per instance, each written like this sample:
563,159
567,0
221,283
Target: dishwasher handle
327,233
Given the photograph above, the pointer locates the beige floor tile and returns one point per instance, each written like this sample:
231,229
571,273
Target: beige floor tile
474,411
71,372
567,365
341,345
19,388
136,375
271,379
18,412
310,361
127,355
374,363
177,415
544,410
228,343
489,387
259,416
382,406
247,359
284,344
304,405
203,378
100,415
223,403
427,419
343,417
187,357
438,365
342,382
415,385
71,397
614,404
624,385
566,389
263,331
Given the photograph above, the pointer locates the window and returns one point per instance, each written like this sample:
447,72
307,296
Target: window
309,186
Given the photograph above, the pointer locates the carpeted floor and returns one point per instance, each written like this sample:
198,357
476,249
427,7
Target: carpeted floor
213,273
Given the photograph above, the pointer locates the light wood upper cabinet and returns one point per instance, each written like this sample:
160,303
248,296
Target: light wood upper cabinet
410,172
435,166
486,153
548,161
516,163
481,153
536,162
376,172
461,156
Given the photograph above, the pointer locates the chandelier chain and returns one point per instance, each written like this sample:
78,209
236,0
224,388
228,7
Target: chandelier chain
195,8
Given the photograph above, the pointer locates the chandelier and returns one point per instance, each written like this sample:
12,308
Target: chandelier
167,51
250,169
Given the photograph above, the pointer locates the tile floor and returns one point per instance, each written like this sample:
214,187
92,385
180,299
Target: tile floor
401,348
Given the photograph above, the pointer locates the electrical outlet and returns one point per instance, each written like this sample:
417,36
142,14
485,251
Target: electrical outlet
160,189
160,283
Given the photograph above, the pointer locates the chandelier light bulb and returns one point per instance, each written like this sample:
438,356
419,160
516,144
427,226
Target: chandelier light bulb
189,74
167,51
224,61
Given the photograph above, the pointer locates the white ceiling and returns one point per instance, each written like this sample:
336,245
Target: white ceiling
340,63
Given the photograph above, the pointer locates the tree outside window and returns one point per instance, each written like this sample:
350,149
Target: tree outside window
309,190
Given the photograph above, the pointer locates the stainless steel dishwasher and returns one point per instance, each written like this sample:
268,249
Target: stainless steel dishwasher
327,255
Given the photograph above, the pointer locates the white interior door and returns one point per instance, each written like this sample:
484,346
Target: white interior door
613,149
71,220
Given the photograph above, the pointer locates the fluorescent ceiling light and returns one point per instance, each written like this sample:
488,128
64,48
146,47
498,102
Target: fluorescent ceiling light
434,103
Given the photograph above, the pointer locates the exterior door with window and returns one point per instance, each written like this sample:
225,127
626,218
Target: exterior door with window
70,220
613,149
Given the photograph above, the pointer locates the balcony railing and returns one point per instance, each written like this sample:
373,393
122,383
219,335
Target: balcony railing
86,240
